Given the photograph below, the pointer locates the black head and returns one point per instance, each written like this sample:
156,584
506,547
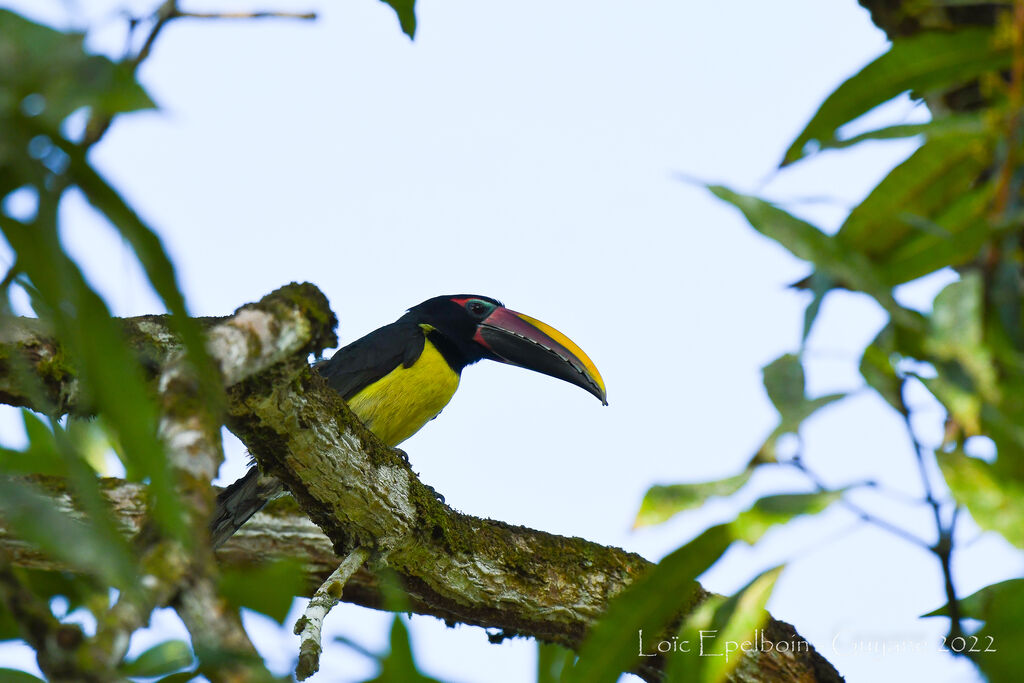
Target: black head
452,321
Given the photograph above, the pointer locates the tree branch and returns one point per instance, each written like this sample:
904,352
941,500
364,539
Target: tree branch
310,624
363,495
295,319
282,530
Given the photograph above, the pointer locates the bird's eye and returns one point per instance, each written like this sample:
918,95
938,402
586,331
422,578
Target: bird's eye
477,308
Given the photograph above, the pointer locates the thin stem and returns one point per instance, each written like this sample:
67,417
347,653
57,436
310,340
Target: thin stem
98,125
943,547
857,510
305,16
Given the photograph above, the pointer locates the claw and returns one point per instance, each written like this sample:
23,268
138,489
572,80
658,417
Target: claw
437,495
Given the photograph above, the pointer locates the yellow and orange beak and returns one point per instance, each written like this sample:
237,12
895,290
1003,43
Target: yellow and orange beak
518,339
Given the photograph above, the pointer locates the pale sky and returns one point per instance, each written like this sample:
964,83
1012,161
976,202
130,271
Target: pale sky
532,152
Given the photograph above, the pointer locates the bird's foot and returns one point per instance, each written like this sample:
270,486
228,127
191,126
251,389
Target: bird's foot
437,495
401,454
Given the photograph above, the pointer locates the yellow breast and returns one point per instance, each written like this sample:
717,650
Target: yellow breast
396,406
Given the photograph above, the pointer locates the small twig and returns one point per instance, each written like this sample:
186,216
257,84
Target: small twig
895,494
305,16
944,550
164,13
356,647
943,547
861,513
310,624
922,466
99,124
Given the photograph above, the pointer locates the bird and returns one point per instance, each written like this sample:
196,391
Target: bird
399,377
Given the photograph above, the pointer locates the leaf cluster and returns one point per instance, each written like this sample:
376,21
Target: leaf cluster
954,204
53,92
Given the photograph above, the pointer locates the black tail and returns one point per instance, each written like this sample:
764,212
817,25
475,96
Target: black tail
240,501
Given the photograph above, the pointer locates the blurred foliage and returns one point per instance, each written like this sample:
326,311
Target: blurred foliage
999,606
955,203
406,11
268,589
398,665
161,659
552,661
46,80
663,502
56,101
16,676
650,604
718,632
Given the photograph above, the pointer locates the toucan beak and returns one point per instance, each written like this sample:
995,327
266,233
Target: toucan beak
520,340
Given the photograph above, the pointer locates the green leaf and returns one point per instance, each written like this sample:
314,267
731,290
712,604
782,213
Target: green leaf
399,666
995,502
921,185
552,660
648,604
9,627
946,126
111,379
80,544
16,676
181,677
770,511
742,616
88,498
78,591
159,660
924,215
967,376
878,368
923,63
736,625
40,457
977,604
38,60
406,11
91,441
663,502
269,589
686,663
961,230
820,285
1006,293
392,593
958,330
805,241
51,452
784,381
153,257
1001,658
